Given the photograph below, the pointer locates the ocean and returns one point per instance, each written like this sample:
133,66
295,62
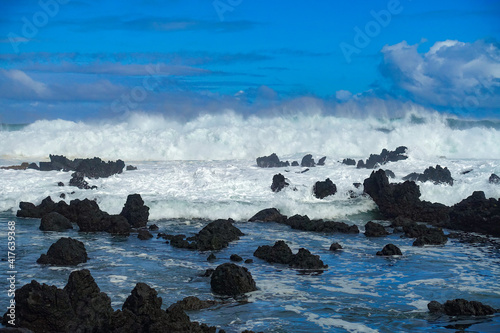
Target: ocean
190,173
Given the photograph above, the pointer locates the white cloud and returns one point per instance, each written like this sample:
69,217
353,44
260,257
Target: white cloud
21,77
451,73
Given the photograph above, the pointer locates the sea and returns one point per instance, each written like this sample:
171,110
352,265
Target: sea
192,172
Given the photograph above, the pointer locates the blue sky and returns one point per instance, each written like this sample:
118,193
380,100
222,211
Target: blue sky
77,59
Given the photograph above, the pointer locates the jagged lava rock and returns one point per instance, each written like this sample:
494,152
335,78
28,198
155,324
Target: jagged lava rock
324,189
55,222
348,161
307,161
304,223
384,157
322,160
269,215
373,229
65,252
232,280
494,179
144,234
135,211
461,307
279,183
438,175
271,161
390,250
279,253
304,259
193,303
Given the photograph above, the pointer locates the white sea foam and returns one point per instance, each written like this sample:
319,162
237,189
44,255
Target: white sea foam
145,137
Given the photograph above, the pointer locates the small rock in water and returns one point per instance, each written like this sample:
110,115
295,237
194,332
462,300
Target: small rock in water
236,258
461,307
55,222
307,161
335,247
232,280
373,229
65,252
390,250
271,161
322,161
279,183
131,168
494,179
211,257
348,161
323,189
135,211
144,234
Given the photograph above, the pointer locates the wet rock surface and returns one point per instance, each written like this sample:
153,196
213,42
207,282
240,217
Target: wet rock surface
373,229
65,252
55,222
461,307
324,189
232,280
281,253
279,183
437,175
390,250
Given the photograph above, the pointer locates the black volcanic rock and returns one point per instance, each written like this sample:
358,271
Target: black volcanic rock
494,179
335,247
271,161
90,167
348,161
476,214
373,229
324,189
65,252
235,258
135,211
322,160
215,236
403,199
130,168
307,161
28,209
193,303
269,215
55,222
279,183
232,280
78,180
280,253
438,175
390,250
461,307
390,174
384,157
304,223
144,234
295,163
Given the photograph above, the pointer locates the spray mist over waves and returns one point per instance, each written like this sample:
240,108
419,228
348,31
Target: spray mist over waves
146,137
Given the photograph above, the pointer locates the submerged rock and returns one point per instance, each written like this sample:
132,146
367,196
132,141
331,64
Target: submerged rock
232,280
324,189
279,183
390,250
65,252
438,175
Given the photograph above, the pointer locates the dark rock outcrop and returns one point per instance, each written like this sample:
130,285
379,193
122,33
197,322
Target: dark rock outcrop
280,253
335,247
373,229
232,280
271,161
389,174
304,223
461,307
55,222
269,215
390,250
78,180
307,161
215,236
384,157
90,167
494,179
476,214
65,252
324,189
82,307
144,234
322,160
135,211
130,168
279,183
193,303
235,258
295,163
403,200
348,161
438,175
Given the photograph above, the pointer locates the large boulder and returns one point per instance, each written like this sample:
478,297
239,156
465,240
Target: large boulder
476,214
135,211
271,161
28,209
55,222
324,189
438,175
268,215
385,156
304,259
373,229
461,307
307,161
232,280
279,183
65,252
215,236
390,250
403,200
279,253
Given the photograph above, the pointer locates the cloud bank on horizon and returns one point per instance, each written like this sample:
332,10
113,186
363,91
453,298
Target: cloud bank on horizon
77,59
